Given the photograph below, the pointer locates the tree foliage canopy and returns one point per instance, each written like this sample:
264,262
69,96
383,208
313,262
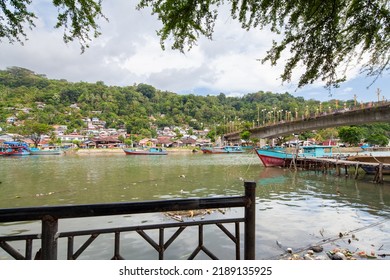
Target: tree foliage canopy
351,135
77,17
321,35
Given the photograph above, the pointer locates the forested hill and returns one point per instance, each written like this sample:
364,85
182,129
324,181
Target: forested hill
139,107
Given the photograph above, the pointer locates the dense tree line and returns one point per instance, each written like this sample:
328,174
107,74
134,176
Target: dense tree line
141,108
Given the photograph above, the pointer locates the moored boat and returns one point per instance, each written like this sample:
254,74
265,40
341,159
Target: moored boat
149,151
318,151
37,151
274,156
3,150
371,169
13,148
223,150
278,156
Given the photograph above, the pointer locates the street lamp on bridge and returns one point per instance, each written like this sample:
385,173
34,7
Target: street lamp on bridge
263,111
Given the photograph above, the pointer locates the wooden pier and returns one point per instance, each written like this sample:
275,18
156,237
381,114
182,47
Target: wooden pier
325,165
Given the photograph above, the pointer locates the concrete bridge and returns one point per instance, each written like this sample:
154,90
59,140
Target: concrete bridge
377,112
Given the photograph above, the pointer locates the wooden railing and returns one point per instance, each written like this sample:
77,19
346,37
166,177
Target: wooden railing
51,215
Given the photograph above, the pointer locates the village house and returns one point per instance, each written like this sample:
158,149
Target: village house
189,141
60,129
165,141
40,105
11,120
167,132
25,110
75,106
107,142
147,142
72,137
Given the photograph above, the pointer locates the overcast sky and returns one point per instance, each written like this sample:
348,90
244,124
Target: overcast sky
128,52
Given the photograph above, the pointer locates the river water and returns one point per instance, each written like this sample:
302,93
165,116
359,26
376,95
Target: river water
295,209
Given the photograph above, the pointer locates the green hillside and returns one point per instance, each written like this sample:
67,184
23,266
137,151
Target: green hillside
141,108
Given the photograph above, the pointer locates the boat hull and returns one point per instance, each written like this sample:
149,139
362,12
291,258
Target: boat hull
17,153
373,169
154,152
223,150
13,148
271,158
44,152
370,169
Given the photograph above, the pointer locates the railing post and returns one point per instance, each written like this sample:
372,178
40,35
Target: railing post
250,221
49,238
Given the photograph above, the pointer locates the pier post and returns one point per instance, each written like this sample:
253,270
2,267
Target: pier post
338,171
250,221
49,238
380,173
356,170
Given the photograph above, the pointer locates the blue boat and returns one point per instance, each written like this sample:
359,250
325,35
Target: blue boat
274,156
37,151
150,151
316,151
14,148
223,150
278,156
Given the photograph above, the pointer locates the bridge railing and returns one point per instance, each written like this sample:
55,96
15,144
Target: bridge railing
310,115
50,217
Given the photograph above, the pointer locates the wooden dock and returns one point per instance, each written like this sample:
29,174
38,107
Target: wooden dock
325,165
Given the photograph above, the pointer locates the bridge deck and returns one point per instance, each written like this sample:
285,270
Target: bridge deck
369,113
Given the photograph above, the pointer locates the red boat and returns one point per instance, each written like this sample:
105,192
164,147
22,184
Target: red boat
14,149
274,156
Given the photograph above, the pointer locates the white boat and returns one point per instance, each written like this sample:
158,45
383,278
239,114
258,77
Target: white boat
41,152
150,151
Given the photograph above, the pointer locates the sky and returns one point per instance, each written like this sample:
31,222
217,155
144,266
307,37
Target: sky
128,52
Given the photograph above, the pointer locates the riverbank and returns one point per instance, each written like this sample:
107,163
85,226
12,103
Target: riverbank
120,151
191,149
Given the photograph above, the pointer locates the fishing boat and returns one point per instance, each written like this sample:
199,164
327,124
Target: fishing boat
14,148
317,151
41,152
223,150
3,149
370,158
149,151
278,156
274,156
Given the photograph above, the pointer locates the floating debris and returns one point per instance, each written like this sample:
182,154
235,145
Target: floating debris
44,194
334,254
316,248
179,215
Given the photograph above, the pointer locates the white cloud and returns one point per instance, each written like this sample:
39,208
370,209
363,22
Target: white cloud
348,89
128,51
